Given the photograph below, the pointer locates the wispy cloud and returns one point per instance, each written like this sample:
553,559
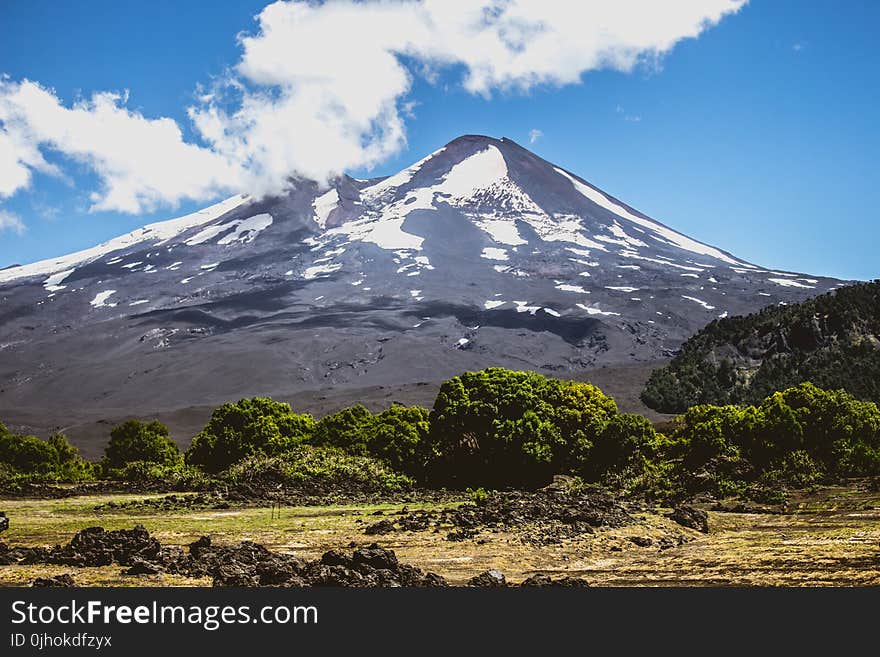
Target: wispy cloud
10,222
535,135
294,106
632,118
799,46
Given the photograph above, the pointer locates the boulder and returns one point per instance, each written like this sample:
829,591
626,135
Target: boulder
65,581
489,578
690,516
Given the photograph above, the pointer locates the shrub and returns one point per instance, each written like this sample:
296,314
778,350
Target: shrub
257,426
350,429
500,428
397,436
176,476
316,471
797,469
51,459
627,441
136,441
796,436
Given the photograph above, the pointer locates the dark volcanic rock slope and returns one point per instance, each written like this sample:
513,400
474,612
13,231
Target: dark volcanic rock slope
480,254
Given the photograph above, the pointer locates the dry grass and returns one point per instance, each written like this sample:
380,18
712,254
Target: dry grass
831,539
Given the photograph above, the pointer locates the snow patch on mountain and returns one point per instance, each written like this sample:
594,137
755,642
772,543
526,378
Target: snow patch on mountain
313,272
667,234
563,228
503,231
523,307
53,283
699,301
386,232
100,300
787,282
239,230
399,179
162,231
592,310
565,287
324,205
490,253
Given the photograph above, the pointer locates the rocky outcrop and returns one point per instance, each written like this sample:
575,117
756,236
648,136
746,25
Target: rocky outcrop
691,517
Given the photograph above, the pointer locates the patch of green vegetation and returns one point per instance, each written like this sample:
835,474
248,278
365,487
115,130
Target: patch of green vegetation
316,470
500,428
26,459
134,441
249,427
51,522
490,429
396,436
795,438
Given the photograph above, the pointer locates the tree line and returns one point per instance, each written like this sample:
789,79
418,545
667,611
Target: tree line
496,428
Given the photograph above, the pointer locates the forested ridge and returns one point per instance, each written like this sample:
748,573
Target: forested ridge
832,341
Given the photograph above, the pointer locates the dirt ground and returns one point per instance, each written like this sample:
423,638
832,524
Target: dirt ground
829,537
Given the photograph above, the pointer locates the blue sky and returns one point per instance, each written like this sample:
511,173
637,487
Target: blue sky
758,136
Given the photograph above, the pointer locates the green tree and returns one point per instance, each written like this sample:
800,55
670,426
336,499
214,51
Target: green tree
256,426
350,429
627,441
53,458
399,438
139,441
498,427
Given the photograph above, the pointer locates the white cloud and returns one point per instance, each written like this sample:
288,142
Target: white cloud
10,222
19,155
535,135
323,88
142,162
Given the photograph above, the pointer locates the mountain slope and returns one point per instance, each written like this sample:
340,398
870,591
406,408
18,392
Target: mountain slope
832,341
480,254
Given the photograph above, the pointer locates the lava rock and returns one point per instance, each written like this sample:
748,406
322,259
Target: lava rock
199,544
335,558
141,567
94,546
489,578
375,557
551,515
65,581
691,517
541,580
246,564
381,527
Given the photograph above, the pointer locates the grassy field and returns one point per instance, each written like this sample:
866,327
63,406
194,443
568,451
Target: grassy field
830,537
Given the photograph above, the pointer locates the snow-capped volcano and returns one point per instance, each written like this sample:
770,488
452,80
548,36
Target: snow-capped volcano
480,254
